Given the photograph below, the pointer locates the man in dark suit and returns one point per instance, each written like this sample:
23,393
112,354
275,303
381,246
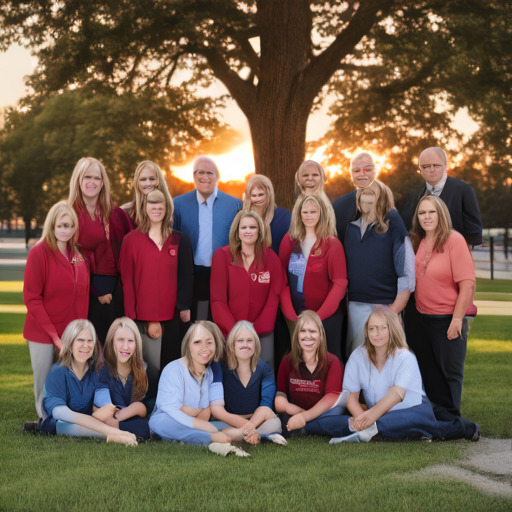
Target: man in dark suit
362,170
459,197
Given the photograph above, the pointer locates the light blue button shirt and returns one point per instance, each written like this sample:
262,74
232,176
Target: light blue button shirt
204,249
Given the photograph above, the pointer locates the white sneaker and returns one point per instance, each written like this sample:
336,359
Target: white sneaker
352,438
278,439
225,449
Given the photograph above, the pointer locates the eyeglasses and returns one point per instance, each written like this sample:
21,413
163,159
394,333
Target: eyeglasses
427,167
209,174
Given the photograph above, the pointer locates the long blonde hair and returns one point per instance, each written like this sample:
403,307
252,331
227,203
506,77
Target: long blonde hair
384,203
161,184
76,200
319,168
138,371
213,330
69,336
262,182
235,244
231,359
157,197
57,211
444,225
325,227
296,350
396,333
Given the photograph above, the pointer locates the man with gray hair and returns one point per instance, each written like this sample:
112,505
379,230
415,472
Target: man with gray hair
205,215
362,171
458,196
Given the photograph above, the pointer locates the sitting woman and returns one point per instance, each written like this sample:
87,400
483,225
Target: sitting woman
187,390
388,375
315,261
247,282
309,382
249,389
125,376
72,389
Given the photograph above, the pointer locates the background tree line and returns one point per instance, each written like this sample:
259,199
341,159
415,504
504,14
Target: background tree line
398,73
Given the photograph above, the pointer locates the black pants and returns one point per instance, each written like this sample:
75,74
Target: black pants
102,315
441,360
201,290
282,342
333,327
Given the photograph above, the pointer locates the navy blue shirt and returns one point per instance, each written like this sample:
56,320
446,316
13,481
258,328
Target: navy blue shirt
120,395
260,390
375,262
279,227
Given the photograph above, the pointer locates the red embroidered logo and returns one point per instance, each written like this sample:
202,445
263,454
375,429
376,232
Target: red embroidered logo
264,277
253,277
172,252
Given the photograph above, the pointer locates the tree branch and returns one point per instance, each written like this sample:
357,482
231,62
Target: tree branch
242,91
253,59
322,67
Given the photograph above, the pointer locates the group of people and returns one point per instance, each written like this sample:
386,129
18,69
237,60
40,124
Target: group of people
193,303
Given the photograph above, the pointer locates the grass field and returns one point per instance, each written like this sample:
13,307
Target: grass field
63,474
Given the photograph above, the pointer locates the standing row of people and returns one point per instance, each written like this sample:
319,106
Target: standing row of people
166,275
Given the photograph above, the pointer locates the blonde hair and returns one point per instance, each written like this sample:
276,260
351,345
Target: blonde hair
262,182
213,330
384,203
68,337
161,184
325,227
76,200
235,244
57,211
157,197
296,350
319,168
138,371
396,333
444,225
231,340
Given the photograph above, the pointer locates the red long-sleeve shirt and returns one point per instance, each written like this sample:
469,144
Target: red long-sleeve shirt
155,282
325,281
240,295
55,291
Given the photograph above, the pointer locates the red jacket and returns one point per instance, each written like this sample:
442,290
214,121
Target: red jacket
55,291
155,282
325,282
240,295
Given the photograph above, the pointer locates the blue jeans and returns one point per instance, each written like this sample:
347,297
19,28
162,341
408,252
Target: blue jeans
171,430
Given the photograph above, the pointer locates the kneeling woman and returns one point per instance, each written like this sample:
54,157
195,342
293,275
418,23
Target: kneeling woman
249,389
72,389
389,376
125,376
187,389
309,381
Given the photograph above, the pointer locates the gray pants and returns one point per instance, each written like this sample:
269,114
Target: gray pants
151,352
267,349
41,357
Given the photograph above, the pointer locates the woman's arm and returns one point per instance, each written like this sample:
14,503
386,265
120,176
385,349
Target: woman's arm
134,409
394,396
404,261
300,419
219,412
466,290
283,405
219,285
337,269
354,406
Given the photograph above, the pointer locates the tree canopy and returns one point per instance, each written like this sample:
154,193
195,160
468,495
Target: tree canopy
390,64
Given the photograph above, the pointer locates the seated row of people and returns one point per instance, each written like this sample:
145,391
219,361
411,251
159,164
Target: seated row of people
202,402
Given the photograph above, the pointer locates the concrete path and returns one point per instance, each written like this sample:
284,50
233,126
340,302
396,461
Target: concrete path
488,468
494,307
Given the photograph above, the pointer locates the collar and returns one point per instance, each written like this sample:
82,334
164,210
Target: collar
439,185
210,200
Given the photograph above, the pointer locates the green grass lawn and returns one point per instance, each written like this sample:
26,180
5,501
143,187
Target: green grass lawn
494,286
64,474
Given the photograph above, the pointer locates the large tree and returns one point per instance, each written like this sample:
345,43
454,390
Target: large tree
399,51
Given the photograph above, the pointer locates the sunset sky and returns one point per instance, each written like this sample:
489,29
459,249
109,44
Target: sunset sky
236,164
